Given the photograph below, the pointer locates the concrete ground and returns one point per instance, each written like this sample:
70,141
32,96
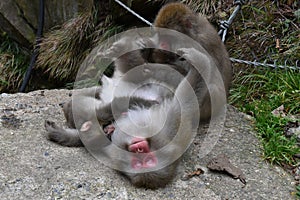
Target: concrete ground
34,168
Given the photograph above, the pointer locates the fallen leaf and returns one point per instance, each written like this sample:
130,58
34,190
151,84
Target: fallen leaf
197,172
279,112
222,163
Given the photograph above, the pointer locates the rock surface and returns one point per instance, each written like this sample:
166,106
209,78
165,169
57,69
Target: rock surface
34,168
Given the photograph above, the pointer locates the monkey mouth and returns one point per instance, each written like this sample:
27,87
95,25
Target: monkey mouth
139,145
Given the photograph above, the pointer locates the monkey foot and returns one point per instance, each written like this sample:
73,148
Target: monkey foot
109,130
50,126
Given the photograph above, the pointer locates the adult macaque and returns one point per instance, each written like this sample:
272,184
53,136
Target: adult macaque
179,17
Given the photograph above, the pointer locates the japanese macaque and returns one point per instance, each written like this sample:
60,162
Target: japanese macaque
86,106
147,114
147,141
179,17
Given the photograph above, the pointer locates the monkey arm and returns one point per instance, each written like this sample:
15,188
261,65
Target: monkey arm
206,81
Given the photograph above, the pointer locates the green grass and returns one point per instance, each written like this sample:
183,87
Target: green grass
258,93
255,35
13,64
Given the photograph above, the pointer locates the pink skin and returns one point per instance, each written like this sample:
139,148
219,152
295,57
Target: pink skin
143,158
109,129
164,45
139,145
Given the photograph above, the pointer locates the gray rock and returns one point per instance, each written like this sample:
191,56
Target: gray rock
34,168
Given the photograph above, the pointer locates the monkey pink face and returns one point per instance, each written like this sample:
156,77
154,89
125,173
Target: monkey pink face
143,158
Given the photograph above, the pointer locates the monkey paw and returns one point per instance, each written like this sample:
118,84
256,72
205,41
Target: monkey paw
52,131
197,59
50,126
112,52
143,43
187,53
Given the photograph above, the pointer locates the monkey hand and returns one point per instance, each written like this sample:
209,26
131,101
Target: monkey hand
199,61
114,51
188,54
144,42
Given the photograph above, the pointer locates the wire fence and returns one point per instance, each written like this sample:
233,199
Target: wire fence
224,26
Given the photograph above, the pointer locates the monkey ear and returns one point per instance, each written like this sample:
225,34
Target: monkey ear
189,22
86,126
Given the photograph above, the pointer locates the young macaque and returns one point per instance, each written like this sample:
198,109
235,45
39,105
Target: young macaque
147,142
154,139
86,105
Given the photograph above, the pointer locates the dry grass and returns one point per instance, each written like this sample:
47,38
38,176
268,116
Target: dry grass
13,64
202,6
63,50
266,31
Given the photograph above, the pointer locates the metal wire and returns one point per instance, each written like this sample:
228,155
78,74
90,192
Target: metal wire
225,24
134,13
223,31
285,66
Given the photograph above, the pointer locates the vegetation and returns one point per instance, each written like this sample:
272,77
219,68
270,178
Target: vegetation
258,92
69,45
13,64
268,31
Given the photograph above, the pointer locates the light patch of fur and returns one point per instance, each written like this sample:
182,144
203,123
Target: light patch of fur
142,122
